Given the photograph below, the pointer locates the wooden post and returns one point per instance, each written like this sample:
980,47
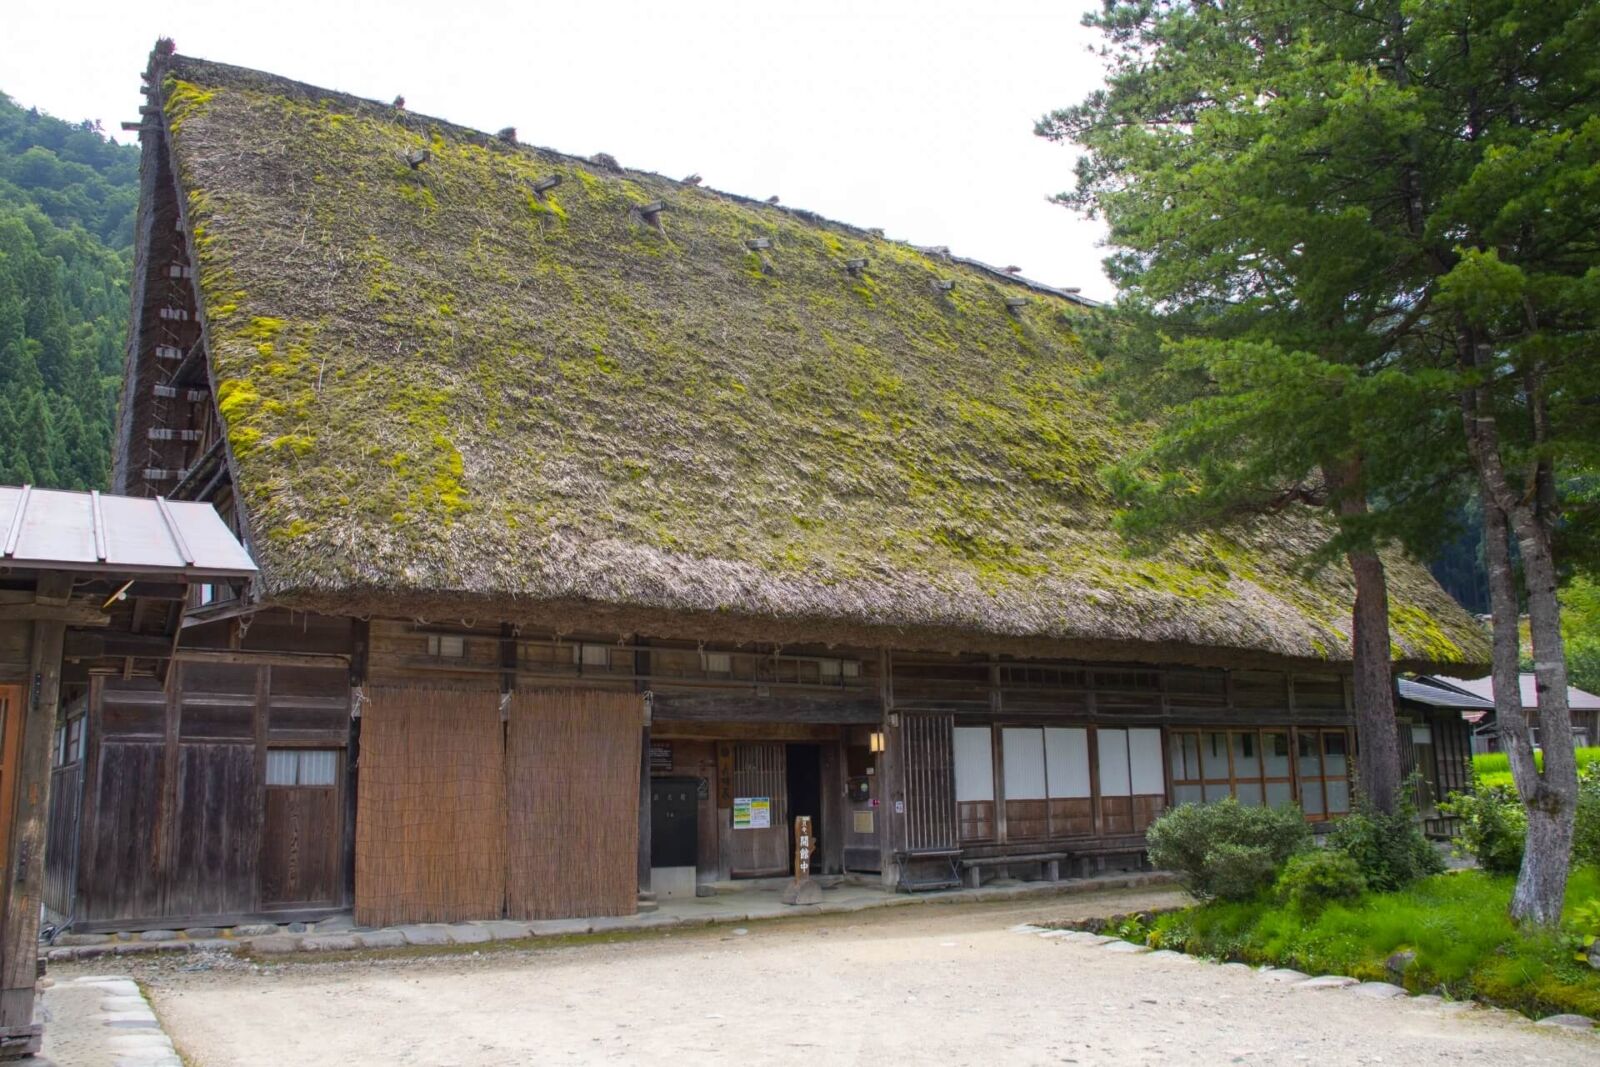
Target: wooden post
641,670
890,780
360,644
644,812
19,936
804,889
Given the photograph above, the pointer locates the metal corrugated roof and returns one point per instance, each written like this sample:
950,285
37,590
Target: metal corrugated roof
1577,699
53,529
1438,697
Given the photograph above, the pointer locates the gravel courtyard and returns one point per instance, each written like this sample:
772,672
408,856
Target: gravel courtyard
936,984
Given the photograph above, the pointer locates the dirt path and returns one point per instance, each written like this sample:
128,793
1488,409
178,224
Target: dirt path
942,984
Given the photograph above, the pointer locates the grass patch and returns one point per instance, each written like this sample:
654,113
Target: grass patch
1457,924
1494,768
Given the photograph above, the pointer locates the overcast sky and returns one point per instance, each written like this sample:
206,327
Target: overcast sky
913,116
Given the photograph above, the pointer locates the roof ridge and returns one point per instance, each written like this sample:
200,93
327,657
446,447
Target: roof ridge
174,62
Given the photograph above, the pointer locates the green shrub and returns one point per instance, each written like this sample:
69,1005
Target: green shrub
1391,850
1493,827
1226,849
1586,828
1317,877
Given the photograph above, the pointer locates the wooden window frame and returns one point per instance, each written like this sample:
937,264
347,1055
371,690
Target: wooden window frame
1322,778
1296,782
996,791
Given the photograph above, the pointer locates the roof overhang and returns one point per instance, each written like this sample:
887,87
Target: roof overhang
93,532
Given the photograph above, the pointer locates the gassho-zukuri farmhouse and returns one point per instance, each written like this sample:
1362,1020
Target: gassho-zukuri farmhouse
606,524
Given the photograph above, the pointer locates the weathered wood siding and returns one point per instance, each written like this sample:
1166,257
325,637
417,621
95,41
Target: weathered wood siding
172,828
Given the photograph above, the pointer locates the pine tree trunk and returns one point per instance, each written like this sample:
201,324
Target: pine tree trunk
1546,856
1550,796
1378,759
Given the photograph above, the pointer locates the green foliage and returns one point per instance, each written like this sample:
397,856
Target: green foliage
1226,850
1493,769
1458,925
71,172
1586,823
1388,848
1493,826
1317,877
66,206
1580,626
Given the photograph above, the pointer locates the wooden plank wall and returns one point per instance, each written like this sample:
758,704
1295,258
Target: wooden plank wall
431,829
572,817
298,860
61,846
172,825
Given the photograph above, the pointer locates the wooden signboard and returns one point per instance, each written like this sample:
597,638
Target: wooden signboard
804,845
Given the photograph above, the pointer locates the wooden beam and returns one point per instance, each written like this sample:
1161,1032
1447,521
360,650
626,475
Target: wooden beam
19,935
77,613
276,659
743,731
780,707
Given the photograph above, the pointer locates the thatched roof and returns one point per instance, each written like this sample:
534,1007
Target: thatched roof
444,388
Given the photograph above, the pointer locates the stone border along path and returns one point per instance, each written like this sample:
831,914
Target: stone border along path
103,1018
1374,990
339,933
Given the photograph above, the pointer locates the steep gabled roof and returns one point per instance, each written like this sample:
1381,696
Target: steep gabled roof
621,399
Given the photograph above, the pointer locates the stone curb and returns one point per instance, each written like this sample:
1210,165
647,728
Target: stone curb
337,934
138,1039
1373,990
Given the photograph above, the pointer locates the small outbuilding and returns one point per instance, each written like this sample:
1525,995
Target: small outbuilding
73,563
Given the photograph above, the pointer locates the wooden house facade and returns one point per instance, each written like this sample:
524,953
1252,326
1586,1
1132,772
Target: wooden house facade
606,524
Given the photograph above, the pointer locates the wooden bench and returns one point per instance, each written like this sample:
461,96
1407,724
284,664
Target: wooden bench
947,878
1049,861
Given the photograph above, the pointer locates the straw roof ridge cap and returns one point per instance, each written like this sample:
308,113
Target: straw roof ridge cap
176,63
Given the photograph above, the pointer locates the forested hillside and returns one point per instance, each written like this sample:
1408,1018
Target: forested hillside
67,199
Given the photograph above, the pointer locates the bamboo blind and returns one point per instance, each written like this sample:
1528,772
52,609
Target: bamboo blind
573,803
431,818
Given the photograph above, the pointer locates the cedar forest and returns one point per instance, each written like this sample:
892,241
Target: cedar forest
67,200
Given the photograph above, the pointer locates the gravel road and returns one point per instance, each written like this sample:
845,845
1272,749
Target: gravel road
935,984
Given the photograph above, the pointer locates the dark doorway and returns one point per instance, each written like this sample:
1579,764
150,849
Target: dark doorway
805,796
674,814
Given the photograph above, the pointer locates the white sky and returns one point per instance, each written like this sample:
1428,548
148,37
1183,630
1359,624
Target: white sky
913,116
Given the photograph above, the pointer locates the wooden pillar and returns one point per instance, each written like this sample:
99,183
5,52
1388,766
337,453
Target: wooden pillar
641,671
644,809
19,933
360,642
891,785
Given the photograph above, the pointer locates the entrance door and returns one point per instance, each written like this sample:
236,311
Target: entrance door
300,831
804,767
674,817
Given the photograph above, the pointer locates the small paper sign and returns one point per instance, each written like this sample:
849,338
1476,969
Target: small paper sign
752,813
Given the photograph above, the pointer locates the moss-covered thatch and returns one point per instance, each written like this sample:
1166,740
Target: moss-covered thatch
442,387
